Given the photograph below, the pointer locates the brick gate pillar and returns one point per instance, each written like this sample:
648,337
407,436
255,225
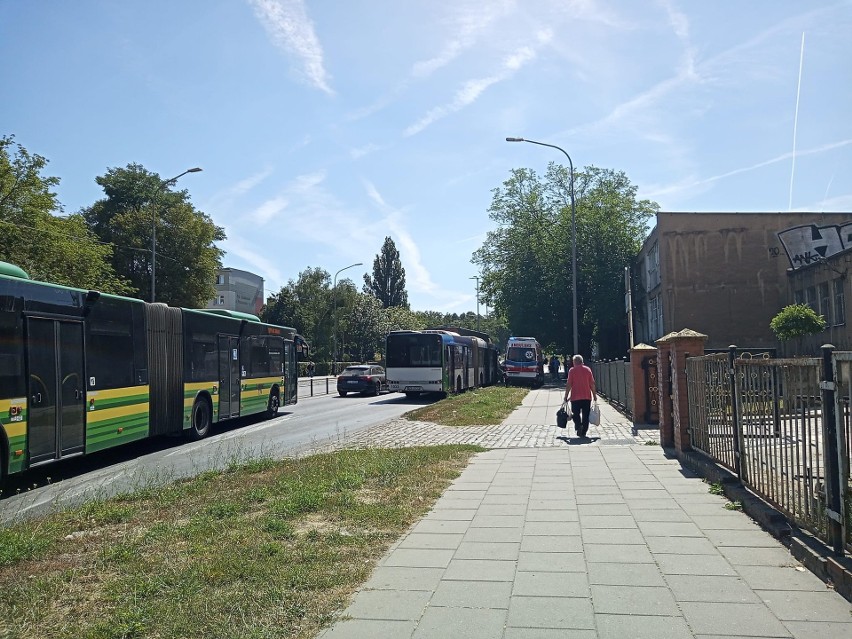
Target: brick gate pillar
664,394
643,387
683,344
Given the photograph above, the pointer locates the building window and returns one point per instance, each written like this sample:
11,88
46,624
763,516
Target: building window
825,302
798,297
220,279
655,318
220,301
839,303
811,298
653,267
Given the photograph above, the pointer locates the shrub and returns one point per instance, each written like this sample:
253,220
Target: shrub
796,321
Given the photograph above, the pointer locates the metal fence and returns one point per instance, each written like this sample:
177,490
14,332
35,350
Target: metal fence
766,420
614,381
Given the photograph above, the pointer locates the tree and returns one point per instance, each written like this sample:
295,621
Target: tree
795,322
49,247
187,257
526,260
388,281
367,330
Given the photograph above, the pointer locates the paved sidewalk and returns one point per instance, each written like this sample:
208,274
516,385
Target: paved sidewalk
593,540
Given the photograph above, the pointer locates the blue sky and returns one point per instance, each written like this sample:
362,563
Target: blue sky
324,126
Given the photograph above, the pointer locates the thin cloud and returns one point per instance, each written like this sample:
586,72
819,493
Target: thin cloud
290,29
472,89
269,210
691,184
470,22
226,197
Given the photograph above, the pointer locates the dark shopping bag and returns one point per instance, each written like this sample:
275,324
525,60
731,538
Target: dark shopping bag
562,416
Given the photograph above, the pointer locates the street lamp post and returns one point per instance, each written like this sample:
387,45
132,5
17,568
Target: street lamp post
476,277
573,236
334,314
160,188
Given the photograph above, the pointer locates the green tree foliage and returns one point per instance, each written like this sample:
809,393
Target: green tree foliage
388,281
795,322
187,257
367,328
526,261
49,247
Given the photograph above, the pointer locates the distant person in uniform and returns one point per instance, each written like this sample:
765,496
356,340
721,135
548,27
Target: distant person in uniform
580,387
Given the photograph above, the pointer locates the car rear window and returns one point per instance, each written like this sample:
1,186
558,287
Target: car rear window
355,370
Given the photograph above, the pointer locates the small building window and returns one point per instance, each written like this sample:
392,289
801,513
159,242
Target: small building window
798,297
220,279
811,298
825,303
220,301
839,303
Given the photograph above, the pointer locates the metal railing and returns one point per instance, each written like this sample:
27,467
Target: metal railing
614,381
767,420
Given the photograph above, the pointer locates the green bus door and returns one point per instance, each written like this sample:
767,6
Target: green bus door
291,374
56,389
229,376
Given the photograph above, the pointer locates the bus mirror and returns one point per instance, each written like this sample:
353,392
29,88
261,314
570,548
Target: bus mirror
90,300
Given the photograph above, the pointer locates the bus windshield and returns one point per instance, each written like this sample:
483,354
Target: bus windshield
407,351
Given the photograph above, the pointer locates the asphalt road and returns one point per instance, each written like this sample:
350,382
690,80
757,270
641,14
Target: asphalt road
312,423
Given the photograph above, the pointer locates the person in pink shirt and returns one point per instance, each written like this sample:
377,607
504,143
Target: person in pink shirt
580,387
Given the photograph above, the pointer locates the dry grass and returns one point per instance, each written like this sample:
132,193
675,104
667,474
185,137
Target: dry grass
261,550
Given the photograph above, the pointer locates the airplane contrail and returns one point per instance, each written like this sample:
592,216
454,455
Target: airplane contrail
796,121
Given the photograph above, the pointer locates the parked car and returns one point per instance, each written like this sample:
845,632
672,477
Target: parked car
364,379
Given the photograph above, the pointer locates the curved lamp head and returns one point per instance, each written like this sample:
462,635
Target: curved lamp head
515,140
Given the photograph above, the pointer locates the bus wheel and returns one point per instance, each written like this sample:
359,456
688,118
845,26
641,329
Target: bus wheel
200,419
458,385
341,393
272,408
412,394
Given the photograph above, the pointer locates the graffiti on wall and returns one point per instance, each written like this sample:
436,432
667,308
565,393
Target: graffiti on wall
810,243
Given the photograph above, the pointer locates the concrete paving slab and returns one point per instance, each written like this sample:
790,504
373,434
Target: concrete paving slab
709,588
819,630
781,578
617,536
481,570
431,541
473,594
777,556
788,605
681,546
735,619
505,535
392,605
404,578
370,629
551,584
634,600
552,543
488,550
641,627
619,554
625,575
551,561
460,623
550,612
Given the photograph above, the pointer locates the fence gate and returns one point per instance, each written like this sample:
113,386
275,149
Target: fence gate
843,419
652,389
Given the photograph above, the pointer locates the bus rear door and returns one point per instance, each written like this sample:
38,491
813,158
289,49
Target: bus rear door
229,376
291,373
56,388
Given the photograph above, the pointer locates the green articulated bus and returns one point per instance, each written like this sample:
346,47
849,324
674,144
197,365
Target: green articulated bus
82,371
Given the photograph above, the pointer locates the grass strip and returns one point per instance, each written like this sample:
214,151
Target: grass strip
264,549
479,407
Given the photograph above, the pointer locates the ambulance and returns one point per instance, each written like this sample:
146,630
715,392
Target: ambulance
522,363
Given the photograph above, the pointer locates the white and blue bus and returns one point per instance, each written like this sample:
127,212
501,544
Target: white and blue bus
440,360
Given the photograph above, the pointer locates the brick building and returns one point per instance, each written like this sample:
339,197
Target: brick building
728,274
